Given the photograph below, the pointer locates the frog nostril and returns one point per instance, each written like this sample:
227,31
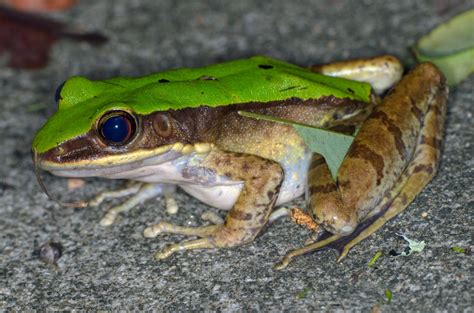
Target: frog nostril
58,151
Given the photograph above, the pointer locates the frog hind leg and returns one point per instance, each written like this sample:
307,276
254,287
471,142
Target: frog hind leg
262,179
416,176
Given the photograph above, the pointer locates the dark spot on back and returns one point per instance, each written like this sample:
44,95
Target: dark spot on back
289,88
265,66
163,81
350,90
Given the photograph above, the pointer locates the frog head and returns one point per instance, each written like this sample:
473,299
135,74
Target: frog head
98,125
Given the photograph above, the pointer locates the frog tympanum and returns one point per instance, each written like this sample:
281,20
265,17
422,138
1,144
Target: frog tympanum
183,128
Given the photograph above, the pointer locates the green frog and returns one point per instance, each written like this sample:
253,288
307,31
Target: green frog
183,128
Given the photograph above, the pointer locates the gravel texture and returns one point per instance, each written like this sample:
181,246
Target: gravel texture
112,268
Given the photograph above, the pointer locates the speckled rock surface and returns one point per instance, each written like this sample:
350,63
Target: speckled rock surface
112,268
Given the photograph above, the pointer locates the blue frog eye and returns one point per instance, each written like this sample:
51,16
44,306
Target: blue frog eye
117,127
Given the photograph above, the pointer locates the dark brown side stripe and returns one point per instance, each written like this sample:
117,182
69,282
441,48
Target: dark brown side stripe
316,161
394,130
417,112
431,141
361,151
239,215
428,168
323,189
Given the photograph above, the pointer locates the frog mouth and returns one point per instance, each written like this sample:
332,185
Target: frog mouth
131,165
114,164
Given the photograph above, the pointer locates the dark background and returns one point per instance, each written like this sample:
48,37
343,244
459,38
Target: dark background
113,268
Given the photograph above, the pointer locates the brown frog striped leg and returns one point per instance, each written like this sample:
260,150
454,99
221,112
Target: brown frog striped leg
428,104
261,179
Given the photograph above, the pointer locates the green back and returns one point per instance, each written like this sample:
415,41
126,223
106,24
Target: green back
257,79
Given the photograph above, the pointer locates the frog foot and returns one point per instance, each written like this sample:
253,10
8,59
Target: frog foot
212,217
203,231
141,192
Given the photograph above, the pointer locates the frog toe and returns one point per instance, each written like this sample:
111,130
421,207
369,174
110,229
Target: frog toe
203,243
169,228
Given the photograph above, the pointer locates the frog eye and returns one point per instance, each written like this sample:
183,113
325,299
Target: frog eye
162,125
57,93
117,127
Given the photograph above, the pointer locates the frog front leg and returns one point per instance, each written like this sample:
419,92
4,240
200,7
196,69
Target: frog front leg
140,192
394,156
261,180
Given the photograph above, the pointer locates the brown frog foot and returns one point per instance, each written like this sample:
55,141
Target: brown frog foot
214,236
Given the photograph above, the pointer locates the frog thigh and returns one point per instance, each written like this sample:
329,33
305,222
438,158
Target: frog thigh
324,200
262,179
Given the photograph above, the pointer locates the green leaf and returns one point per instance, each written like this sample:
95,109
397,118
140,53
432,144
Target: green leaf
333,146
375,258
303,293
388,295
451,47
458,249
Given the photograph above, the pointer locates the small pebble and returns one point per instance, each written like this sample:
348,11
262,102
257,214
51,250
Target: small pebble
50,252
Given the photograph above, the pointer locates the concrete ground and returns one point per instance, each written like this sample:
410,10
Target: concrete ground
113,268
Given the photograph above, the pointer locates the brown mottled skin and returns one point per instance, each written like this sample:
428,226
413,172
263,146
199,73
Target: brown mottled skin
381,152
245,150
394,156
262,180
254,160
